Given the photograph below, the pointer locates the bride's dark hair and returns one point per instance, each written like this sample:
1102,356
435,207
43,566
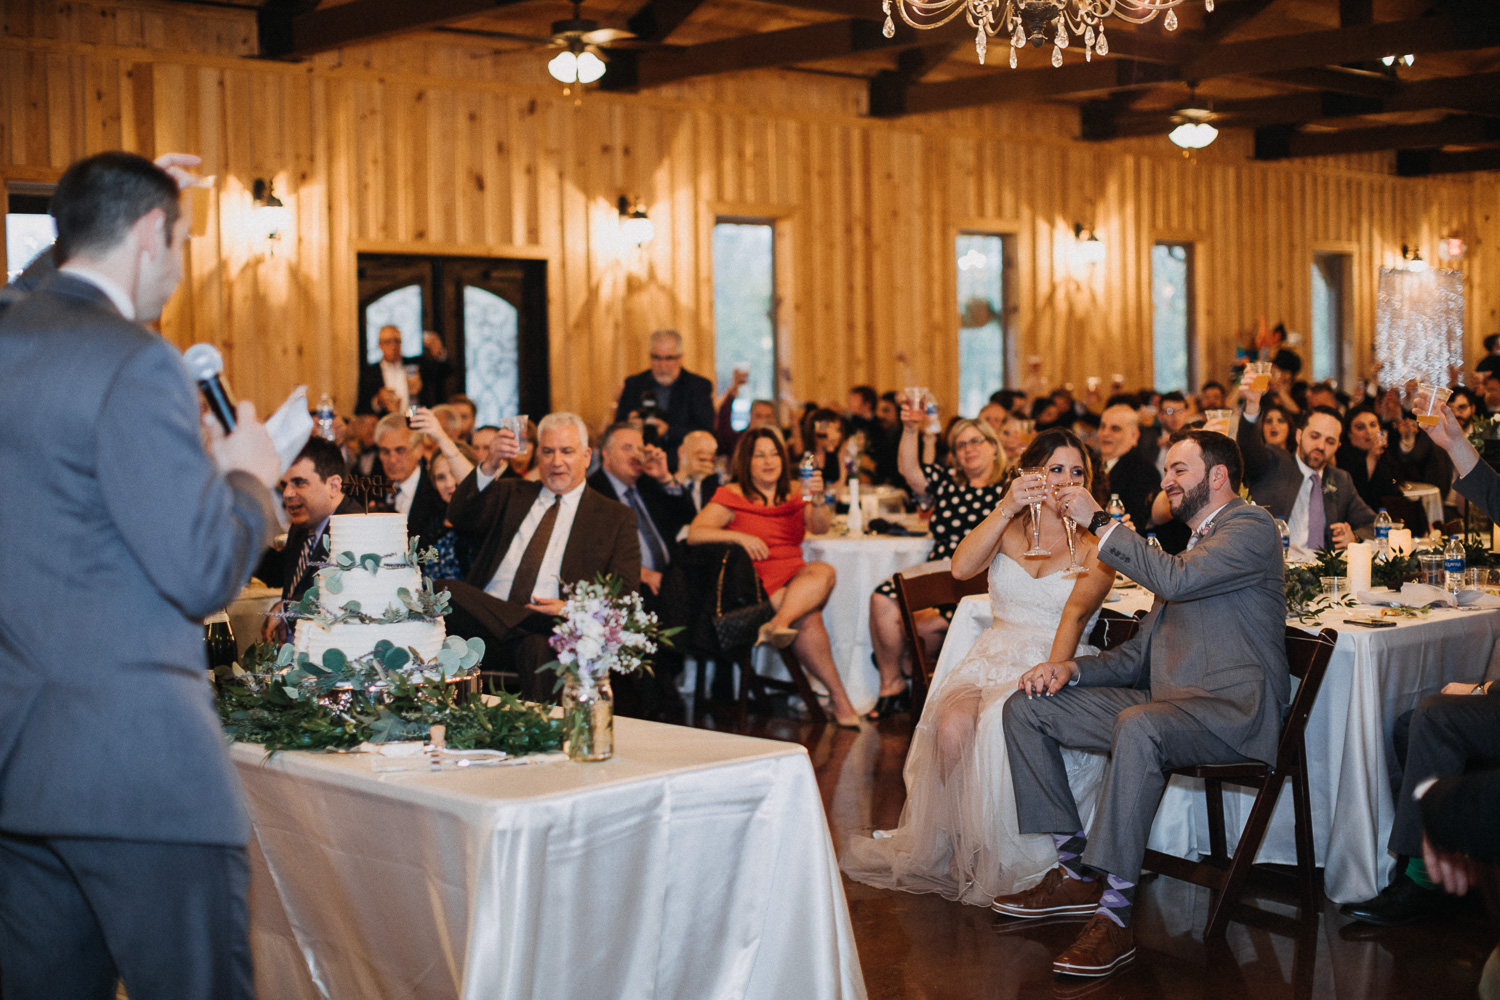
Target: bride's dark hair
1044,444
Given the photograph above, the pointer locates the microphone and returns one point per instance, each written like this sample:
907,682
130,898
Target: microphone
206,365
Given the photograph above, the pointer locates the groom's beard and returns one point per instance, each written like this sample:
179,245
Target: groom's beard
1192,502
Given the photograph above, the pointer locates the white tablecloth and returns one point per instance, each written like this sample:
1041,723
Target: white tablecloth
692,865
861,564
247,614
1429,496
1375,675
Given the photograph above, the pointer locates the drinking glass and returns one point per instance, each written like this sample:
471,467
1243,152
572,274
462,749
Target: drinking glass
1432,568
1071,528
517,426
1217,420
1426,402
1335,587
1036,517
1028,429
1258,374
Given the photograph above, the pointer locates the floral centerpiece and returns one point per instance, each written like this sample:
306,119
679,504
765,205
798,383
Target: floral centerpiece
603,629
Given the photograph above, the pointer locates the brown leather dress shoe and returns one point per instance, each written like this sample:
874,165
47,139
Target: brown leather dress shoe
1102,948
1055,894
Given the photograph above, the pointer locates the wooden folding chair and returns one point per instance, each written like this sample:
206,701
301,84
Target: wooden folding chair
918,593
1307,656
1113,628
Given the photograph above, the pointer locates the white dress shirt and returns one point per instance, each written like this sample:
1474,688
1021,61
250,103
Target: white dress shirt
406,491
548,584
394,373
117,295
1296,522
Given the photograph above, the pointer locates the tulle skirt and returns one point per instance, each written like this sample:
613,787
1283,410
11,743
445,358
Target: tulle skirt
959,835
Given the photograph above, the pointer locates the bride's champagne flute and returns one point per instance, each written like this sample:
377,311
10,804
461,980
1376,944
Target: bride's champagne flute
1036,517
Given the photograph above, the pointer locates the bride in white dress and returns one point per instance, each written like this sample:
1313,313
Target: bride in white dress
957,834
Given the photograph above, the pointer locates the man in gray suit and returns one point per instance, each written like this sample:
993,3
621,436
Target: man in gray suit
122,829
1204,681
1284,482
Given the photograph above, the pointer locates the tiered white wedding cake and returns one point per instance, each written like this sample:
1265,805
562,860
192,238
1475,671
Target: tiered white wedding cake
373,586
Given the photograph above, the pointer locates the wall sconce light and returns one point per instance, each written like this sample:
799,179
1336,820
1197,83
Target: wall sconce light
1413,258
1088,249
635,227
270,218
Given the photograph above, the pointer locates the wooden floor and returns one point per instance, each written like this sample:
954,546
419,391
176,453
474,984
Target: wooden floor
923,946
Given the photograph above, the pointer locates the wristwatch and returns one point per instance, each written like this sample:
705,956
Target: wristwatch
1101,518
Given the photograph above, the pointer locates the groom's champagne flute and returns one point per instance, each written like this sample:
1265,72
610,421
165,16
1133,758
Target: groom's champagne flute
1036,518
1071,528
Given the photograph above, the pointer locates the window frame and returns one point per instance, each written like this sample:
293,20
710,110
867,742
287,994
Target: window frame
777,223
1194,350
1009,307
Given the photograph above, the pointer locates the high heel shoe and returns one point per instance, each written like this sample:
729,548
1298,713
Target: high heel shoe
890,704
772,635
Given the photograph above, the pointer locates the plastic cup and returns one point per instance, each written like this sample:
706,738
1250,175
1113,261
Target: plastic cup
1258,374
1335,587
1431,564
1475,578
1425,405
1217,420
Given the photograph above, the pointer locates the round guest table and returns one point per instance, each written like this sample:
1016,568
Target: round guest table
1429,496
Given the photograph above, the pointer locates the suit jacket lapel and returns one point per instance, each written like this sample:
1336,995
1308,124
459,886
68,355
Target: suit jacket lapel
582,543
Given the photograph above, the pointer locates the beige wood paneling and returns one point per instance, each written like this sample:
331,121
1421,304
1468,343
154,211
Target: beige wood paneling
432,144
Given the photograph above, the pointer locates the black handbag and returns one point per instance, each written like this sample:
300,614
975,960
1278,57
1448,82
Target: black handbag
738,628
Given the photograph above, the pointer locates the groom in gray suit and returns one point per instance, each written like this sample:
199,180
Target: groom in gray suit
122,830
1204,681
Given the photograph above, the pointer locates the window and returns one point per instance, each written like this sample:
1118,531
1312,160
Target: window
982,259
491,327
401,309
1328,299
745,310
1172,316
28,230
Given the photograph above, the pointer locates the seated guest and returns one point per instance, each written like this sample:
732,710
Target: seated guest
1172,414
1203,681
1014,436
1211,396
883,443
1362,455
1012,400
1288,483
481,439
995,415
360,454
1275,425
1491,360
532,539
1447,730
450,464
762,413
412,492
860,416
1466,406
829,436
385,387
696,467
312,490
464,407
1324,395
1128,473
962,496
449,419
671,400
762,510
636,475
957,834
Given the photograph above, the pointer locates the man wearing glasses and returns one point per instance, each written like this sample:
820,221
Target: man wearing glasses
1171,416
669,402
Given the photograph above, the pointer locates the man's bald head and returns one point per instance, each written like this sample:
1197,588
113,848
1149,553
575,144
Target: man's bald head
1119,430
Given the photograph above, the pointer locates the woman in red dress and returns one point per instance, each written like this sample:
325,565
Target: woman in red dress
759,511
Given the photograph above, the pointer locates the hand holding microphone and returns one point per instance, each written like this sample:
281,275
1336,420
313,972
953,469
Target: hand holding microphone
237,439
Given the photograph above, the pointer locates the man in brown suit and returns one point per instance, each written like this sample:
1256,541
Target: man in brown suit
533,539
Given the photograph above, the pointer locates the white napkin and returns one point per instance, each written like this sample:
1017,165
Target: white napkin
1422,595
290,427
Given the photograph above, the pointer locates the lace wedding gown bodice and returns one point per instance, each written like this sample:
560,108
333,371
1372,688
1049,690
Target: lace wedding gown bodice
959,834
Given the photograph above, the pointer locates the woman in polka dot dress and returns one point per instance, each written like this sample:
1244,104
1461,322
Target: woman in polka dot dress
962,497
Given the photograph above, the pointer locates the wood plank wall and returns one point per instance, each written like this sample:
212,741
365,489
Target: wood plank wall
432,144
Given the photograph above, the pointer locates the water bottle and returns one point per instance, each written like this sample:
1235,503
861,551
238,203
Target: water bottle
805,473
933,426
1382,534
325,418
1151,542
1116,508
1453,565
1286,537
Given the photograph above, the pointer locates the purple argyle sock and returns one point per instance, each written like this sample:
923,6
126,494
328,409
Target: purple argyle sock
1117,901
1070,853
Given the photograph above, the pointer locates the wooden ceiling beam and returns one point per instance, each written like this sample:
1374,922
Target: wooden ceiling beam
1230,15
1282,142
287,34
657,19
1098,124
1426,162
1339,79
1340,45
1028,84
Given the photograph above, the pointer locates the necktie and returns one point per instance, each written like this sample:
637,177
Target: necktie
531,560
643,524
303,558
1315,519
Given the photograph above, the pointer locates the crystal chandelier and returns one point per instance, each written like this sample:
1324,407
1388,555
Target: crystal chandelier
1036,21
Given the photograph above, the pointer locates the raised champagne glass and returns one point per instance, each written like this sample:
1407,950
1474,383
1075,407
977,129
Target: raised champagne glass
1071,528
1036,517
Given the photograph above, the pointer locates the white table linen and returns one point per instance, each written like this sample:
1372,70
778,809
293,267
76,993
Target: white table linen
1374,676
692,865
861,564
